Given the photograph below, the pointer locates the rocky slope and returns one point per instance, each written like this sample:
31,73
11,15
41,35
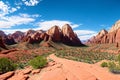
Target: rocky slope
115,26
2,45
112,36
54,34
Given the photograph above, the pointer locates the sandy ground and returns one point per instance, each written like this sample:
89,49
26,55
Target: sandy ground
63,69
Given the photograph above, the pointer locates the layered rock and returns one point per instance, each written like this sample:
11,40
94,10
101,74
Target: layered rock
54,34
69,37
113,36
17,36
2,34
115,26
2,44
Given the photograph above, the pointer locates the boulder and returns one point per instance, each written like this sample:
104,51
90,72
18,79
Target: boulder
7,75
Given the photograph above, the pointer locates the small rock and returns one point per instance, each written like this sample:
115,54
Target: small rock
36,71
26,71
51,63
6,75
19,77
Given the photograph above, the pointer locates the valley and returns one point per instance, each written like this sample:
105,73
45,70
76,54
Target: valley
43,55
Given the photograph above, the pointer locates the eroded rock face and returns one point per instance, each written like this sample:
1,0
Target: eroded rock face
6,38
113,36
17,36
55,33
99,38
115,26
2,44
2,33
69,37
117,36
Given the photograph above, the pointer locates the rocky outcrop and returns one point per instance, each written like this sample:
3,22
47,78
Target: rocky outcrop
113,36
54,34
64,35
7,39
99,37
17,36
115,26
2,44
69,37
2,34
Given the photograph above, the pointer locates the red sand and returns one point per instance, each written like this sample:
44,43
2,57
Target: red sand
63,69
71,70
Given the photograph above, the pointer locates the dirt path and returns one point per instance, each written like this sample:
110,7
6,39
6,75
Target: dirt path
63,69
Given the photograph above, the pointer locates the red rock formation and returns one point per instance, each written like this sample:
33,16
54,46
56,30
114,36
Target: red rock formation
115,26
69,37
99,38
17,36
2,34
2,44
118,36
30,33
55,33
113,36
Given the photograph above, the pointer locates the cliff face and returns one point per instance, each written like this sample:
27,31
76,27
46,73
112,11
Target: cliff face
2,44
113,36
115,26
54,34
69,37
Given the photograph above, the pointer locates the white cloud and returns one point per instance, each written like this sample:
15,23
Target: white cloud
45,25
13,10
3,9
8,22
85,34
31,2
6,9
9,31
18,7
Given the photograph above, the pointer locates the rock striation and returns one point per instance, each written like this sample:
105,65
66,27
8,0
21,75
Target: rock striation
112,36
54,34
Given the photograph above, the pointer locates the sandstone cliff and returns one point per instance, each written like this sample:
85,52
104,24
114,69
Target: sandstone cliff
113,36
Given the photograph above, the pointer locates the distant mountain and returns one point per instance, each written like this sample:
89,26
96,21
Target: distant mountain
112,36
54,34
2,44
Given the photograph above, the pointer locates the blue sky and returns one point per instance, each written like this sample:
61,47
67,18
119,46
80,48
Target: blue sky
87,17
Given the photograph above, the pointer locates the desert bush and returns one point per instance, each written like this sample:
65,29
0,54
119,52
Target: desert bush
118,58
114,68
83,55
6,65
38,62
104,64
21,65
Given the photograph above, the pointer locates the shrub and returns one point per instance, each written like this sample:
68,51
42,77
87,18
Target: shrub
38,62
21,65
114,68
118,58
6,65
104,64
